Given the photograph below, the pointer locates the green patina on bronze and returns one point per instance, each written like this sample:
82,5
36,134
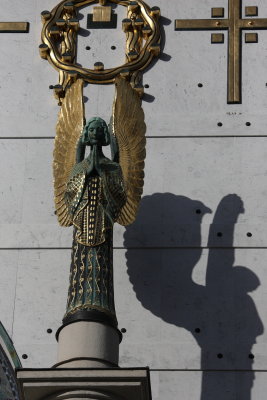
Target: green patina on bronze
9,360
91,277
94,196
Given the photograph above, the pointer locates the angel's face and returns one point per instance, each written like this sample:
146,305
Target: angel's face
94,134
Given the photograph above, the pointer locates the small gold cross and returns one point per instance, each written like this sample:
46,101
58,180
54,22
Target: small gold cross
234,25
14,27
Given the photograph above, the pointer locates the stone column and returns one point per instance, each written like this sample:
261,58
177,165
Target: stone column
88,344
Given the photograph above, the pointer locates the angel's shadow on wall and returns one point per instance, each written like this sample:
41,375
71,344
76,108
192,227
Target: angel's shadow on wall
220,315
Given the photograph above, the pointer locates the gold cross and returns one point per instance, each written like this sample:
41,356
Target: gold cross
234,25
10,27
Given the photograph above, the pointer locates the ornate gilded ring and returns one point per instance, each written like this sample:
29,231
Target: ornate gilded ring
59,41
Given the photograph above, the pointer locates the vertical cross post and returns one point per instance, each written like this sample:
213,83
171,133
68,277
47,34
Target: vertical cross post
234,24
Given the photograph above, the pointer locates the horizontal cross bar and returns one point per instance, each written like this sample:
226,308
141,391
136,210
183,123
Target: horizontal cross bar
219,24
259,23
201,24
16,27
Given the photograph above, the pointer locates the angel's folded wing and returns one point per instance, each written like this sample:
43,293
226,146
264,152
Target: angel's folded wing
68,130
129,127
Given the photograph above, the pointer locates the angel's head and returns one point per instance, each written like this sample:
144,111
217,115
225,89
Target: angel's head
96,132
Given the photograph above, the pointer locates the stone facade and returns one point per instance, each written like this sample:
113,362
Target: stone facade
190,273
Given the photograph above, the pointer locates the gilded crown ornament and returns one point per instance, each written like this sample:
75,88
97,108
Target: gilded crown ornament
59,43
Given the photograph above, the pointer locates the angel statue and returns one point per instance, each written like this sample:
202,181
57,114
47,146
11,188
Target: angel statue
93,192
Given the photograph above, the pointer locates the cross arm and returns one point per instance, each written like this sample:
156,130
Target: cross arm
259,23
201,24
19,27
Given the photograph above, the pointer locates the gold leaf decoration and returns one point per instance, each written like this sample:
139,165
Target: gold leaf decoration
68,130
128,126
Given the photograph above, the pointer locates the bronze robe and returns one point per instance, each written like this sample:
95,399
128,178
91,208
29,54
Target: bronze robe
94,202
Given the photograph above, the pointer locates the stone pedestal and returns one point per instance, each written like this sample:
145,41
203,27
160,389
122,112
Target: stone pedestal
88,344
91,384
87,368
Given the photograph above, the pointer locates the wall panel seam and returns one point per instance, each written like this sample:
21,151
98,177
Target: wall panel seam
141,248
206,370
148,137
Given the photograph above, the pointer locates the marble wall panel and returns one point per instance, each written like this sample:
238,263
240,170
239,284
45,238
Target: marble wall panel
179,107
181,308
26,104
8,282
208,385
197,192
173,103
41,294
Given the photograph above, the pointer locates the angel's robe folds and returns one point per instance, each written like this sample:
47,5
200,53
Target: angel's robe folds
94,203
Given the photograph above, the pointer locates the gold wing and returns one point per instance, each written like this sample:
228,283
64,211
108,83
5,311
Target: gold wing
128,126
69,127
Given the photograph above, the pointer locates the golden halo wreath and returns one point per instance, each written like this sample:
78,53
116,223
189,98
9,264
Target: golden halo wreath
59,41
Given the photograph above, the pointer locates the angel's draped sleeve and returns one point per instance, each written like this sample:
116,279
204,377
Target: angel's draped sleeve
114,191
74,193
95,202
74,188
